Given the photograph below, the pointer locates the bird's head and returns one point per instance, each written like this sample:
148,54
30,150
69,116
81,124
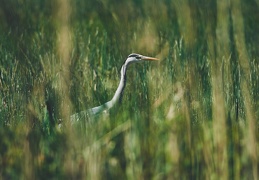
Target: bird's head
139,58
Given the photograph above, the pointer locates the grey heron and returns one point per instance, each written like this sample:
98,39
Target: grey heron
132,58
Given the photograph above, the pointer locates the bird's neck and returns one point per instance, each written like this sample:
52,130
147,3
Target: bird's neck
119,92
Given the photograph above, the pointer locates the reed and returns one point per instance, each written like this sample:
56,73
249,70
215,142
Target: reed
193,115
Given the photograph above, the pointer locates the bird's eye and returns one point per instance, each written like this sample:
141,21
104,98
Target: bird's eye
138,57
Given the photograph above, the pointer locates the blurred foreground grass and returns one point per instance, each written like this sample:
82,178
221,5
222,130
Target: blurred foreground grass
193,115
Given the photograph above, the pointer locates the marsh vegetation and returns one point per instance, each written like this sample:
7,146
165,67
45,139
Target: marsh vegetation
193,115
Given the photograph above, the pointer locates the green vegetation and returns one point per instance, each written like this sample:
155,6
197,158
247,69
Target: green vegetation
193,115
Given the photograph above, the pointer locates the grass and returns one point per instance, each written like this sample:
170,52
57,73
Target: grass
193,115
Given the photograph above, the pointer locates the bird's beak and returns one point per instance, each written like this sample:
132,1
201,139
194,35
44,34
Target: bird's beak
146,58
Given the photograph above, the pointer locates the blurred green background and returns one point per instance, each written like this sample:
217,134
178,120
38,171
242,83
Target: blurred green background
193,115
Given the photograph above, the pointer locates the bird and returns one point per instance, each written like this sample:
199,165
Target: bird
132,58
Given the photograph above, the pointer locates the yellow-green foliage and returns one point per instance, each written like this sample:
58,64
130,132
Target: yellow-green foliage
193,115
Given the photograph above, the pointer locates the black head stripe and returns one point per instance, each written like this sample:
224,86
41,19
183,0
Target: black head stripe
133,55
